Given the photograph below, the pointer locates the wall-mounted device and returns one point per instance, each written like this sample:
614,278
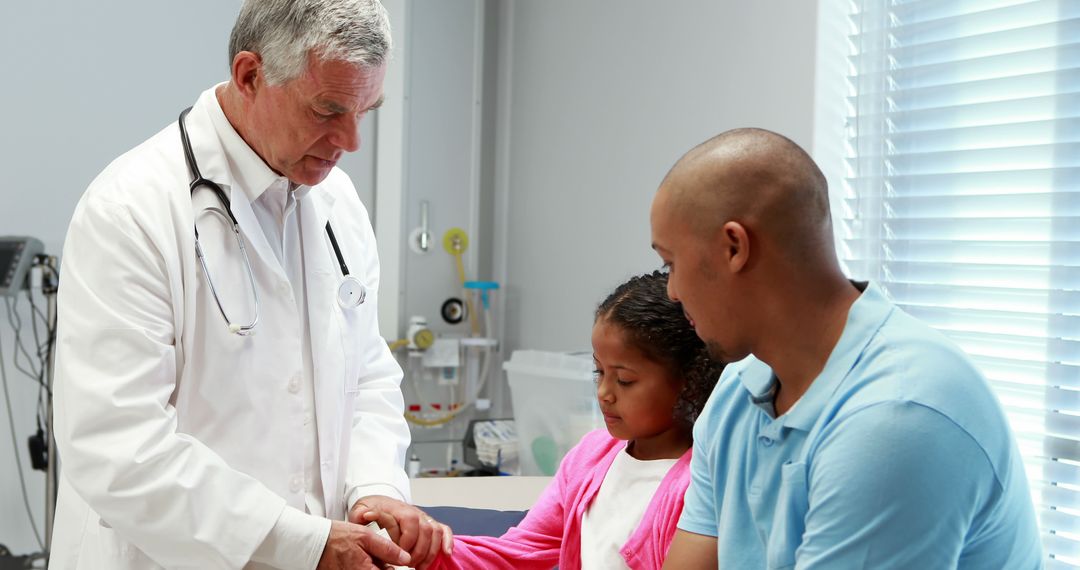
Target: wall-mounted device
453,310
420,238
16,256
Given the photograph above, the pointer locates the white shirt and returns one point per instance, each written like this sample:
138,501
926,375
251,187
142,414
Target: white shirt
616,512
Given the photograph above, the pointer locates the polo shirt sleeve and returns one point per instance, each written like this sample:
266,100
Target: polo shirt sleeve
699,506
893,485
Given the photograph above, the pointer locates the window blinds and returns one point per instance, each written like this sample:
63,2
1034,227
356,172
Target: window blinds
962,199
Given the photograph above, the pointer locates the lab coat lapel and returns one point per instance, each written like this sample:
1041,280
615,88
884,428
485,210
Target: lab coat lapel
213,165
252,231
323,277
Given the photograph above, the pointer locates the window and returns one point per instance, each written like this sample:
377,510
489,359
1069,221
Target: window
962,199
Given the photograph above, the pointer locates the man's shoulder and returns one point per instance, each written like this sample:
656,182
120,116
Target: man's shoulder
155,165
906,336
147,186
900,357
908,360
909,363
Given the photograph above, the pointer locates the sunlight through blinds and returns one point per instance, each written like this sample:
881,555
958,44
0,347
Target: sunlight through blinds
962,199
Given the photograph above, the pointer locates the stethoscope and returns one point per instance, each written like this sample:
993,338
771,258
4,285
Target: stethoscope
351,292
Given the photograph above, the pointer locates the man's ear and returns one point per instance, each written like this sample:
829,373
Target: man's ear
735,241
247,73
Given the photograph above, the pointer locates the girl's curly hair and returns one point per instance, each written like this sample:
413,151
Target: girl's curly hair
657,326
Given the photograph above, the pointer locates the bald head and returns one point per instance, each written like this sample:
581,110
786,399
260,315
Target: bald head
757,178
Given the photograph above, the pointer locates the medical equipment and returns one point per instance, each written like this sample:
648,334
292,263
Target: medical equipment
473,355
446,385
542,382
25,268
453,310
420,238
491,447
455,242
16,256
9,561
418,337
351,293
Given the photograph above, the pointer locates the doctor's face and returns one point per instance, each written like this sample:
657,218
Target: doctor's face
302,127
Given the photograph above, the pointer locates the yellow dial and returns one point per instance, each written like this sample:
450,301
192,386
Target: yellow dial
455,241
423,339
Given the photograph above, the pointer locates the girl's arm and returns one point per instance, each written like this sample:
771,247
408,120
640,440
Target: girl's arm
533,544
536,543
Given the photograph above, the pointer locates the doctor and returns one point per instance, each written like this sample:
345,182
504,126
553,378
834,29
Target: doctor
225,400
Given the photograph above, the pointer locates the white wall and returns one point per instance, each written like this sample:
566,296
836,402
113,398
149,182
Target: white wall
603,97
442,150
443,108
80,83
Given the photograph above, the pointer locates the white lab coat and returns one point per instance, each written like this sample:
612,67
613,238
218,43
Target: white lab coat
180,442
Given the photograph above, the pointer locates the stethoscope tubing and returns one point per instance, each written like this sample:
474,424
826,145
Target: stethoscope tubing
351,287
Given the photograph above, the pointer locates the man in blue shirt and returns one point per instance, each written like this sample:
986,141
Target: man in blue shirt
849,435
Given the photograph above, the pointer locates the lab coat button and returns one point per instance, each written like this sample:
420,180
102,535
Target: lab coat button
284,288
297,484
294,385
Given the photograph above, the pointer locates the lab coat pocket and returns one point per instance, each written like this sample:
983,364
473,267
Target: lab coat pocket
789,519
352,330
118,554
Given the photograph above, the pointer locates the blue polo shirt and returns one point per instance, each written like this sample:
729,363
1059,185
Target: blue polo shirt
898,456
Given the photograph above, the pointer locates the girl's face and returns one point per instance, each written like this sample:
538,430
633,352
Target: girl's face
636,394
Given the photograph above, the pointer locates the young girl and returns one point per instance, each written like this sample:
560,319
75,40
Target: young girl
617,496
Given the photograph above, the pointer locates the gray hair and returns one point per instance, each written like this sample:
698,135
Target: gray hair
284,32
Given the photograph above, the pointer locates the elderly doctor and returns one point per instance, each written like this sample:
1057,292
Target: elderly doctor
225,400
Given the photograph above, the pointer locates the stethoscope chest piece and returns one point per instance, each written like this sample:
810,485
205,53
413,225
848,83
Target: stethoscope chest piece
351,293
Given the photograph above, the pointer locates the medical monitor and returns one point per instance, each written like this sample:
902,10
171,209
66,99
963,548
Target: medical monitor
16,257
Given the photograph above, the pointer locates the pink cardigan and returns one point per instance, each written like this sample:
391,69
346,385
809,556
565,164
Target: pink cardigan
551,533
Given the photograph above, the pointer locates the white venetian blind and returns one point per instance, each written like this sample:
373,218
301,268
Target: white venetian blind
962,199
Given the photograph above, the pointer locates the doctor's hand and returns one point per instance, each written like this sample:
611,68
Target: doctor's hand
412,529
353,547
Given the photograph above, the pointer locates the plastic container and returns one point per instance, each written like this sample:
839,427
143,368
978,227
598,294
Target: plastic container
554,400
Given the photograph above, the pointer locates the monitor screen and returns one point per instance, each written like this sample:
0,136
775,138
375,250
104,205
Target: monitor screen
9,255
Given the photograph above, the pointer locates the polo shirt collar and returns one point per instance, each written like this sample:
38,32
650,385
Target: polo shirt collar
758,379
865,317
